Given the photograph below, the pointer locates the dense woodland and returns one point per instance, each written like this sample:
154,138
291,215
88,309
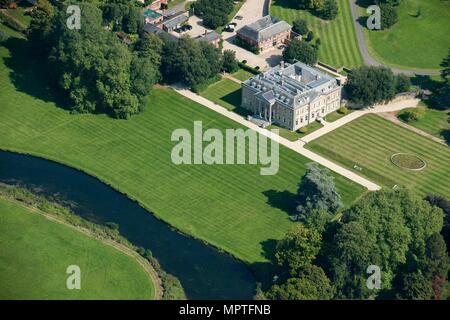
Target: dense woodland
91,76
326,255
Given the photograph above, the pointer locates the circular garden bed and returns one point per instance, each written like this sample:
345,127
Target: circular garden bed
408,161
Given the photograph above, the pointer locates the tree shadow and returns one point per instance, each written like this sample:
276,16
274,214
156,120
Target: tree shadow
445,133
30,74
425,82
283,200
264,271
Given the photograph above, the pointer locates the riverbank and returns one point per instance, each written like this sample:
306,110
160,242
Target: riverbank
73,240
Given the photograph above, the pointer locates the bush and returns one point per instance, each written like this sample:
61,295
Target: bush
388,15
310,36
246,67
303,130
241,43
301,51
300,26
230,64
412,115
343,110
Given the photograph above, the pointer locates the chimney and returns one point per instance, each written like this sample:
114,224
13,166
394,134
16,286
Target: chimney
282,65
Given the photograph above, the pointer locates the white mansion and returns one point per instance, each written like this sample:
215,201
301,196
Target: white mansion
291,95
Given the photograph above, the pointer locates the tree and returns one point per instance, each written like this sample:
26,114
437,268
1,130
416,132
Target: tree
297,249
436,263
300,26
190,61
330,10
399,223
312,284
442,94
96,75
352,250
388,15
402,83
415,286
41,27
317,191
310,36
370,85
230,64
132,20
301,51
444,204
214,12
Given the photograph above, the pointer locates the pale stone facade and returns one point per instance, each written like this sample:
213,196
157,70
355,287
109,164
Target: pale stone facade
291,96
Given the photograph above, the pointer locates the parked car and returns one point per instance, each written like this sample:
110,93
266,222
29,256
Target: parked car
234,24
239,17
187,27
229,28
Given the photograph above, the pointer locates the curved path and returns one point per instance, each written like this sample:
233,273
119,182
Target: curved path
368,59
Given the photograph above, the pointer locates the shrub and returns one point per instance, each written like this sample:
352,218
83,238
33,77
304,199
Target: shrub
343,110
310,36
412,115
388,15
300,26
303,130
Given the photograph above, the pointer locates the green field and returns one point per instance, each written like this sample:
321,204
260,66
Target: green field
231,207
419,42
331,117
226,93
242,75
339,46
369,142
435,122
35,253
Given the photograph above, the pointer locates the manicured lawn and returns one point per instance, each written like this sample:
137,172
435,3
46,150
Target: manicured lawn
230,206
243,75
335,116
369,142
415,42
226,93
35,253
435,122
339,47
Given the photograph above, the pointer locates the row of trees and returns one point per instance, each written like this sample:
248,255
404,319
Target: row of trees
369,85
100,74
325,9
94,68
122,15
322,258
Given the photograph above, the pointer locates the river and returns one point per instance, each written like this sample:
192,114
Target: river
204,272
